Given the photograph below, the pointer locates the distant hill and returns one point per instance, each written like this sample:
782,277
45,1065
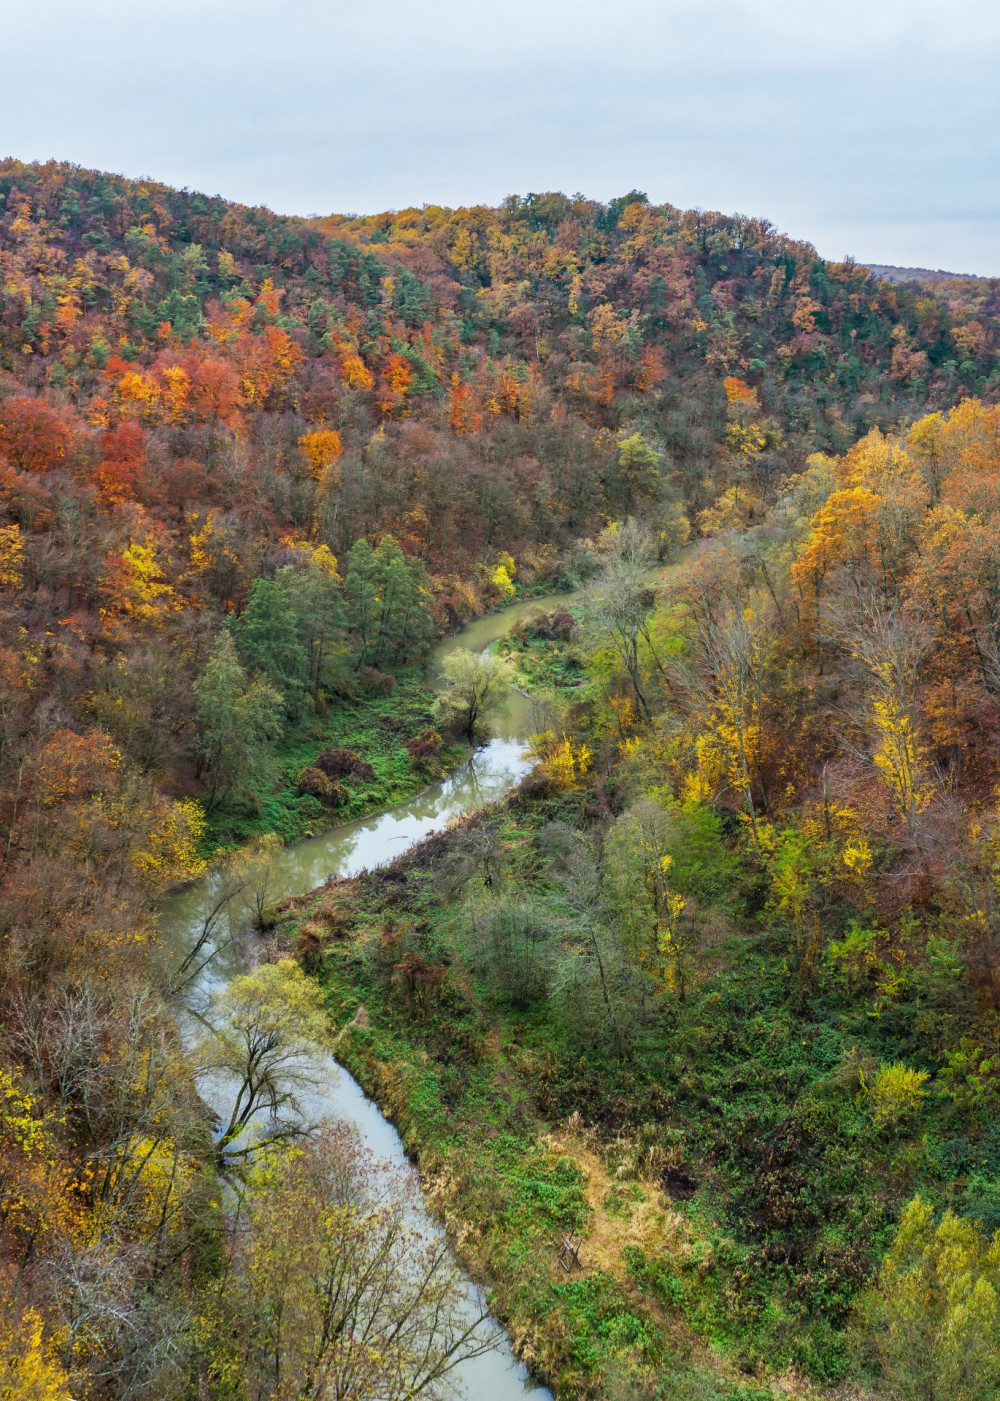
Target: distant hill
894,274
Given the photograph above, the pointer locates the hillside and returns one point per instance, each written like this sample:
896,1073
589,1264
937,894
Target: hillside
498,344
888,272
715,990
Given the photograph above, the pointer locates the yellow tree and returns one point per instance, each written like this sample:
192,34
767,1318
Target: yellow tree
891,647
734,652
933,1319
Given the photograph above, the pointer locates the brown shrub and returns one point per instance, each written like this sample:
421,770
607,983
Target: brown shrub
376,683
344,763
425,748
314,783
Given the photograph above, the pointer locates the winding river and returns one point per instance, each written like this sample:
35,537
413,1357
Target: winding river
344,851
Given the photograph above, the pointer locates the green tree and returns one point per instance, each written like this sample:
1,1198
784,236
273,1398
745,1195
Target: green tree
313,595
405,625
361,596
387,601
477,685
237,721
637,475
267,640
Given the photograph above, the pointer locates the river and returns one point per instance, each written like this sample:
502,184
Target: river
344,851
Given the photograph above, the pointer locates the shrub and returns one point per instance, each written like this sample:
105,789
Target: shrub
314,783
895,1094
566,764
549,627
344,763
376,683
425,748
513,949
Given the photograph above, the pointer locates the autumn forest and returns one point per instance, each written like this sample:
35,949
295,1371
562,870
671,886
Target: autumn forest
710,1000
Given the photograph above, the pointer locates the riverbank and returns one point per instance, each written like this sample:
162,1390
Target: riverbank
377,728
487,1101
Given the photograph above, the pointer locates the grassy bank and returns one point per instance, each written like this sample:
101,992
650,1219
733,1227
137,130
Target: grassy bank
524,1139
376,728
728,1185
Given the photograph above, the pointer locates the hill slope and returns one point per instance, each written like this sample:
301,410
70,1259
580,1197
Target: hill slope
249,466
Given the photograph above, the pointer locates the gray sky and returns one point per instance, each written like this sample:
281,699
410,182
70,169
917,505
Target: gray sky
870,127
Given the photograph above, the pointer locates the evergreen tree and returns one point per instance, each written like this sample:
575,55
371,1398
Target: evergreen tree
267,640
361,594
237,720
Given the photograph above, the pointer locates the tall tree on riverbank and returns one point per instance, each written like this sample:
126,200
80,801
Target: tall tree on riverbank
237,721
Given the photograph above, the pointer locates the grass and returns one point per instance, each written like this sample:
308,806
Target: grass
483,1098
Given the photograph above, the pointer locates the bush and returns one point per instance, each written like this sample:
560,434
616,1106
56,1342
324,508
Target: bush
425,748
513,950
314,783
548,627
895,1094
344,763
376,683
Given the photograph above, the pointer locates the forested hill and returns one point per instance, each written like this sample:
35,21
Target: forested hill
477,366
718,988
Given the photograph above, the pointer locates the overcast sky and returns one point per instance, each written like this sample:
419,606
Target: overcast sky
869,127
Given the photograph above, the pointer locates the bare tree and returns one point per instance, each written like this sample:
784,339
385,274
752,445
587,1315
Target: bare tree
263,1030
622,598
336,1292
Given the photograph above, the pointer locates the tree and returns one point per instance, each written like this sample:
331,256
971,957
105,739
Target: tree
405,625
733,650
267,640
361,593
932,1322
35,437
312,591
386,595
477,685
645,906
892,647
265,1026
638,476
30,1369
622,598
237,720
335,1292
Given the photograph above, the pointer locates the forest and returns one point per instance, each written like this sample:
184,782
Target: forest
715,990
